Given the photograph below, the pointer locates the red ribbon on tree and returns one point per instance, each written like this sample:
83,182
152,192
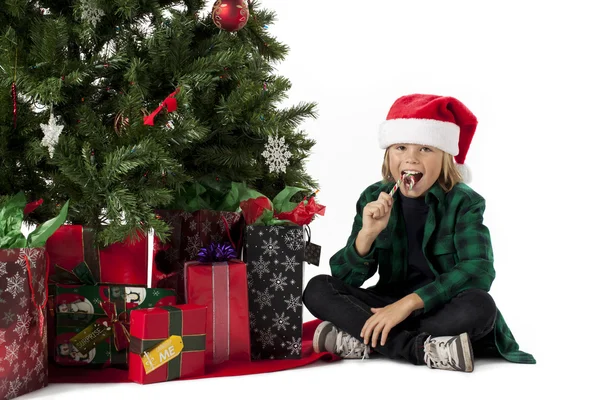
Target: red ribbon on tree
120,333
30,207
170,103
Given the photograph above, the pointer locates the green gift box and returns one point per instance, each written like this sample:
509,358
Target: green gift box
92,322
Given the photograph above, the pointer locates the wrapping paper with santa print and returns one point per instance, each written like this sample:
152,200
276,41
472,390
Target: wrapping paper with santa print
77,307
23,344
190,233
275,259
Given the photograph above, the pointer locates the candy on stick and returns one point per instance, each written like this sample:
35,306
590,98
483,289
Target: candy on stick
395,188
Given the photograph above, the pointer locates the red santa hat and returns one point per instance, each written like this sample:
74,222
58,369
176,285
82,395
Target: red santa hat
439,121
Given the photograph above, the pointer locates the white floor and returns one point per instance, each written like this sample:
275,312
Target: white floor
491,379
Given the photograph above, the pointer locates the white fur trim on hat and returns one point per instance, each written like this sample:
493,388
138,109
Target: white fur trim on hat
428,132
465,172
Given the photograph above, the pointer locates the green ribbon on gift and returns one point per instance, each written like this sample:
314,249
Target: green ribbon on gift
80,275
190,342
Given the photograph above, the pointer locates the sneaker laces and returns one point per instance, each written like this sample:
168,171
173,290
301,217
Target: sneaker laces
347,345
436,353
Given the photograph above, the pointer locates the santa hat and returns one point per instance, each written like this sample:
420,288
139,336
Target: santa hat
431,120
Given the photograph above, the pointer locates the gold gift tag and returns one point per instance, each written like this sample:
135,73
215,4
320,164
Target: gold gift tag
90,337
162,353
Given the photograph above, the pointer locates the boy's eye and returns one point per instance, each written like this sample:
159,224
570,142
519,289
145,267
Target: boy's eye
427,149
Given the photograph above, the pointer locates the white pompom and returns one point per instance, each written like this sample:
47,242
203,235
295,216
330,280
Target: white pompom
465,172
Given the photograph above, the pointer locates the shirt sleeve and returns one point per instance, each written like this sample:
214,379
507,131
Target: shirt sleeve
347,265
475,267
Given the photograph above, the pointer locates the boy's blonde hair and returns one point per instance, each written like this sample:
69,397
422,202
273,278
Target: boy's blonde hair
449,176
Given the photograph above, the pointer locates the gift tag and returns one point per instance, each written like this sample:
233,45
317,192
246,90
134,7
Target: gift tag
91,337
162,353
312,254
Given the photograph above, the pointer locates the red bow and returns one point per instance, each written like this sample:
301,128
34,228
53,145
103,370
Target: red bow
303,214
121,335
170,103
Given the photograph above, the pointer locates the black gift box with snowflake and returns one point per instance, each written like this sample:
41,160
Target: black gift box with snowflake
274,252
275,261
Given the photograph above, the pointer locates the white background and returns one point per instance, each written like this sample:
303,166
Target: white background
529,72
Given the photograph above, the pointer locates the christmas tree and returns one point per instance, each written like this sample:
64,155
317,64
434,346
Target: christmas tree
122,104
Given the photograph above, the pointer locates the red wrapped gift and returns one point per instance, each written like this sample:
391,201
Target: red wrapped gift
23,342
174,336
190,233
223,288
120,263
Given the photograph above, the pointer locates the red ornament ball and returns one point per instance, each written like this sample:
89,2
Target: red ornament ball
230,15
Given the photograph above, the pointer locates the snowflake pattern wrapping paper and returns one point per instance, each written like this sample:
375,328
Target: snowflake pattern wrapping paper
23,346
275,259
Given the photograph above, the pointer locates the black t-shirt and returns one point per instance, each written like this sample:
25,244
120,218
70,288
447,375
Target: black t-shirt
414,211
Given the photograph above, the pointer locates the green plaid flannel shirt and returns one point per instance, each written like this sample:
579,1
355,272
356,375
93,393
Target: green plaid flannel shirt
456,244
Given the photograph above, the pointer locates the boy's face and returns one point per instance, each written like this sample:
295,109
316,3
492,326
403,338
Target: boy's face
415,157
63,308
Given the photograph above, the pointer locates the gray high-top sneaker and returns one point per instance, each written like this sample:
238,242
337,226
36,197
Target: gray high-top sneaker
329,338
453,353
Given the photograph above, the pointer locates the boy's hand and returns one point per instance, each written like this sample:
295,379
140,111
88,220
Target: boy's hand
376,214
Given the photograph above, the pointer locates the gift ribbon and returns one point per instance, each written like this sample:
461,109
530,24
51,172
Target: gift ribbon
220,312
80,275
170,103
91,253
190,342
228,231
121,336
216,252
39,308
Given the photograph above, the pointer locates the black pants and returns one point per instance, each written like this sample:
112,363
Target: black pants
348,308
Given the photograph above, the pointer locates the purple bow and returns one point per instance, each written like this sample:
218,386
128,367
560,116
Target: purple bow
216,252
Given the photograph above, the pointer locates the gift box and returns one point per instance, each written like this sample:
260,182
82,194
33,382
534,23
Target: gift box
191,232
275,258
121,263
222,287
23,297
92,322
23,344
167,343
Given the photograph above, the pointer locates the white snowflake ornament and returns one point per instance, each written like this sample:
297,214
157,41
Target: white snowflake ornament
51,133
90,12
277,154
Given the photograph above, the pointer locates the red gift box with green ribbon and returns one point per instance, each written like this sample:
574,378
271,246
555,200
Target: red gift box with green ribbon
121,263
155,333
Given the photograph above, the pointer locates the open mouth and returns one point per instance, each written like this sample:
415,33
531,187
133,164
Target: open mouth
410,178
